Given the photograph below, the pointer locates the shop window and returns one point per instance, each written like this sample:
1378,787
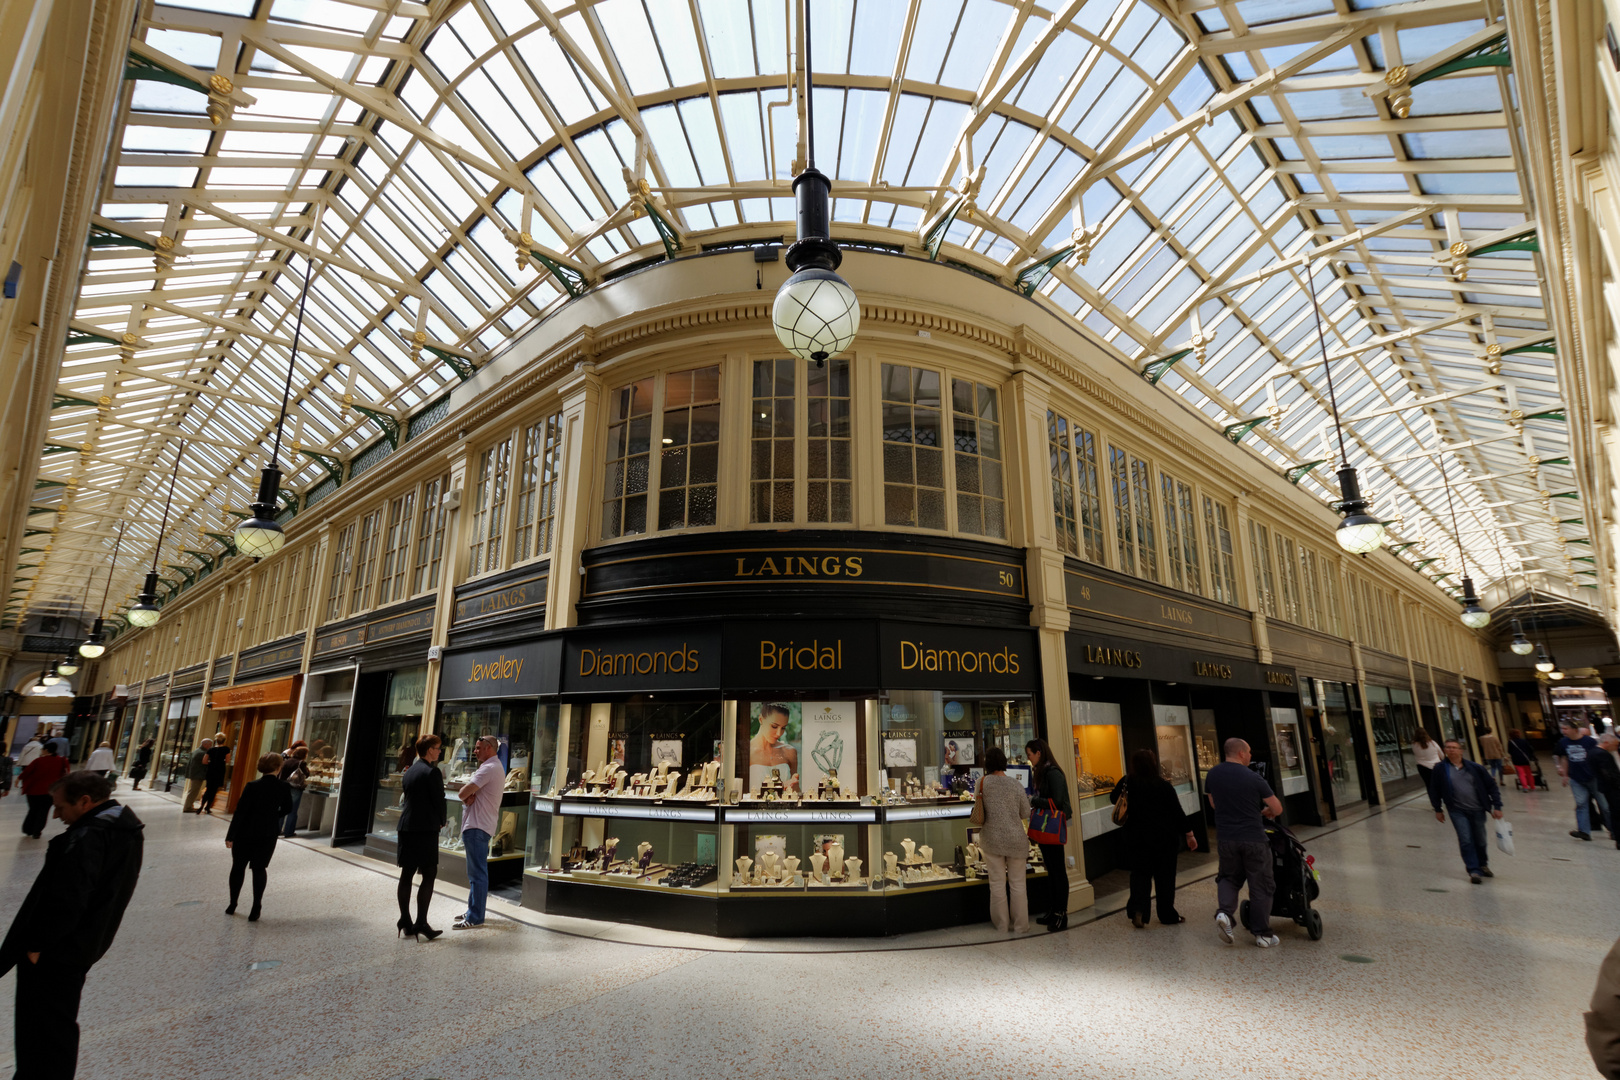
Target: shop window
430,529
1260,555
689,459
1181,535
289,596
629,449
1218,538
396,545
773,446
827,442
1099,761
1133,514
536,508
913,460
365,560
1287,580
981,507
782,447
489,509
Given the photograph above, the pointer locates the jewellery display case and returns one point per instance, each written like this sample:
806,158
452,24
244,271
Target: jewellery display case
1172,728
513,724
1099,756
401,726
328,702
1291,776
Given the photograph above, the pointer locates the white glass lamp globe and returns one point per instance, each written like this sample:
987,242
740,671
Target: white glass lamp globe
816,314
1545,664
259,537
94,645
1475,617
1522,646
67,666
142,615
50,678
1555,675
1360,533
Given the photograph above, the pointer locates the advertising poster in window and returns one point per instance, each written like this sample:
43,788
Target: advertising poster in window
829,743
774,730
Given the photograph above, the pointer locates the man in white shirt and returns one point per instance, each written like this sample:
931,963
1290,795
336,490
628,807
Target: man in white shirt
101,760
35,747
481,799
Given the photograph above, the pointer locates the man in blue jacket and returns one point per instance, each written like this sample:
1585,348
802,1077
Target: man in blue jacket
1468,791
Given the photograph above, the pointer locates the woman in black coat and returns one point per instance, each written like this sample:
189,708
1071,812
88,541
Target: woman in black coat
1051,784
424,815
219,756
255,825
1155,829
143,762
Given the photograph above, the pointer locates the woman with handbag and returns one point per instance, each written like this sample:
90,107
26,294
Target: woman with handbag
251,837
1147,808
295,771
422,792
1002,812
1051,792
143,763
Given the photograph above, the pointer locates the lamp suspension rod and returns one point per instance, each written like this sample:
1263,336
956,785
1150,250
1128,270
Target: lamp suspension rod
1327,365
122,525
1456,533
163,528
298,333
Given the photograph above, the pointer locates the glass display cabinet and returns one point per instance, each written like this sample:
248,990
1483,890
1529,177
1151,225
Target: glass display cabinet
1291,775
513,725
1099,755
1172,727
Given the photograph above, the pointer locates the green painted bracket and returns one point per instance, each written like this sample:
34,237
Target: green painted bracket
187,572
37,532
1581,540
210,559
1238,431
935,237
32,510
1297,473
1585,558
1550,348
141,68
68,401
1571,521
240,515
1524,241
106,238
228,541
330,462
290,499
1030,277
46,483
666,232
1158,369
1421,563
573,282
84,337
464,368
1547,414
1555,461
1396,549
387,421
59,448
1441,577
1494,53
27,551
1567,495
1587,585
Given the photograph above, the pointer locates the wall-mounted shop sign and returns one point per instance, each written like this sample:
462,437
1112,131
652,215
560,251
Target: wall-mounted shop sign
288,652
927,813
1143,605
931,657
529,669
1111,655
350,637
524,596
1277,679
1308,645
418,620
802,654
1122,658
1386,664
254,695
638,661
1208,669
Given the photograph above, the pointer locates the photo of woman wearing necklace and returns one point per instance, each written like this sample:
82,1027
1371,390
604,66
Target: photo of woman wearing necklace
774,730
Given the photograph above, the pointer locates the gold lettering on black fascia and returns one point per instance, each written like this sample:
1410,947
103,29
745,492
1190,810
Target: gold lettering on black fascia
602,663
500,669
1171,613
800,656
1102,654
917,656
1212,671
848,566
1278,678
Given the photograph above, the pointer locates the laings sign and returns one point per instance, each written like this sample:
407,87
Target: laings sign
1098,654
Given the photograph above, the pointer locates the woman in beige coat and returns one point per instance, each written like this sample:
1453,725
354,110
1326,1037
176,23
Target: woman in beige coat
1004,839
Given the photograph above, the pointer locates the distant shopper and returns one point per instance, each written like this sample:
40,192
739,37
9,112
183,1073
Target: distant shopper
219,756
196,776
143,762
1467,790
1490,748
1571,756
295,773
405,756
37,780
1050,783
1606,775
58,740
1004,839
481,799
251,838
1156,829
1242,802
69,919
32,750
1603,1022
100,761
422,791
1427,754
1523,757
7,771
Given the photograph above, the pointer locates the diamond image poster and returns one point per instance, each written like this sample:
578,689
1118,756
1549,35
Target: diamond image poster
827,734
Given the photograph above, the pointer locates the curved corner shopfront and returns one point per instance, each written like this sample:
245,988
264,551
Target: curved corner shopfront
253,719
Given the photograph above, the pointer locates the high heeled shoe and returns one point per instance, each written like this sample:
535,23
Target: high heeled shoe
406,926
253,916
426,931
231,910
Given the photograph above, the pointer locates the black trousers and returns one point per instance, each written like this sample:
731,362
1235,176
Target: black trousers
210,789
39,813
1057,879
47,1020
1155,871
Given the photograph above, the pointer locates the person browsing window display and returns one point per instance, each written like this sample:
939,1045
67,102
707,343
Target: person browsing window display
481,797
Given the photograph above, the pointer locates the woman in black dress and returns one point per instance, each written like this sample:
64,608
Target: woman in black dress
419,823
251,837
143,761
219,756
1155,829
1050,783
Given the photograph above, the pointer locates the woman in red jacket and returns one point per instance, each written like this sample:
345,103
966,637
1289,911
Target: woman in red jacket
37,777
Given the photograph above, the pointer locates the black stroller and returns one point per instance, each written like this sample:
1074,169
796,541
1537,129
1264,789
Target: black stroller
1295,874
1535,771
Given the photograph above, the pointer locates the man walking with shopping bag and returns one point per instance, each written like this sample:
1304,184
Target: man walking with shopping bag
1467,790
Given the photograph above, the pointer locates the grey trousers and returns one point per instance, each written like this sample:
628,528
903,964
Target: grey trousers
1247,862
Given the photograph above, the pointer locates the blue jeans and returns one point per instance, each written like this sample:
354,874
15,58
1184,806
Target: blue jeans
1583,817
477,841
289,826
1472,838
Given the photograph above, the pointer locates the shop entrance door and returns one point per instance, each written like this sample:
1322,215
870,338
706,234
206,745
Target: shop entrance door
243,736
1344,754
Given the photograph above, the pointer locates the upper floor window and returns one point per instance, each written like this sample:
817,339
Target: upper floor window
290,596
489,508
689,456
800,428
981,497
342,563
1265,585
1288,581
396,545
1132,480
365,561
629,462
1181,535
536,511
1222,563
430,526
913,461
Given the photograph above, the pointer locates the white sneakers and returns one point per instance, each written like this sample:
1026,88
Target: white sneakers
1223,926
1267,942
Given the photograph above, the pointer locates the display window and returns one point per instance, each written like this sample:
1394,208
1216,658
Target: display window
1291,776
401,726
933,743
1338,741
177,743
1099,757
512,723
142,725
1172,728
328,702
801,751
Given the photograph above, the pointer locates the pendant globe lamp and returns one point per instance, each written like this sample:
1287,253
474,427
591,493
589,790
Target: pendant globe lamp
50,678
96,644
145,611
1544,661
816,314
1473,616
1359,532
260,535
1521,645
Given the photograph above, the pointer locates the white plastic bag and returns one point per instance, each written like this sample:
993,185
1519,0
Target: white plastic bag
1504,835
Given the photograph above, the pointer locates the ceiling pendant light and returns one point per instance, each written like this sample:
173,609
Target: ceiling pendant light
1473,616
1359,532
96,644
1555,674
1520,645
1544,662
50,678
145,611
68,665
261,535
816,314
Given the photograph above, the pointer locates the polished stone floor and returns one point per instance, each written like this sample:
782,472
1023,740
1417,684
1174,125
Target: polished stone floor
1463,981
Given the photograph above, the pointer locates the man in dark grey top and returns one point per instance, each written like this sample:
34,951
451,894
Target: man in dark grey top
1467,790
1242,801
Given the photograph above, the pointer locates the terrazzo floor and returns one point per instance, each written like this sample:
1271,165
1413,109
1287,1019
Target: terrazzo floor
1465,981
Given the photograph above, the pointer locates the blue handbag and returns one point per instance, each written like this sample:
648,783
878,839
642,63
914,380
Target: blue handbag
1047,825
